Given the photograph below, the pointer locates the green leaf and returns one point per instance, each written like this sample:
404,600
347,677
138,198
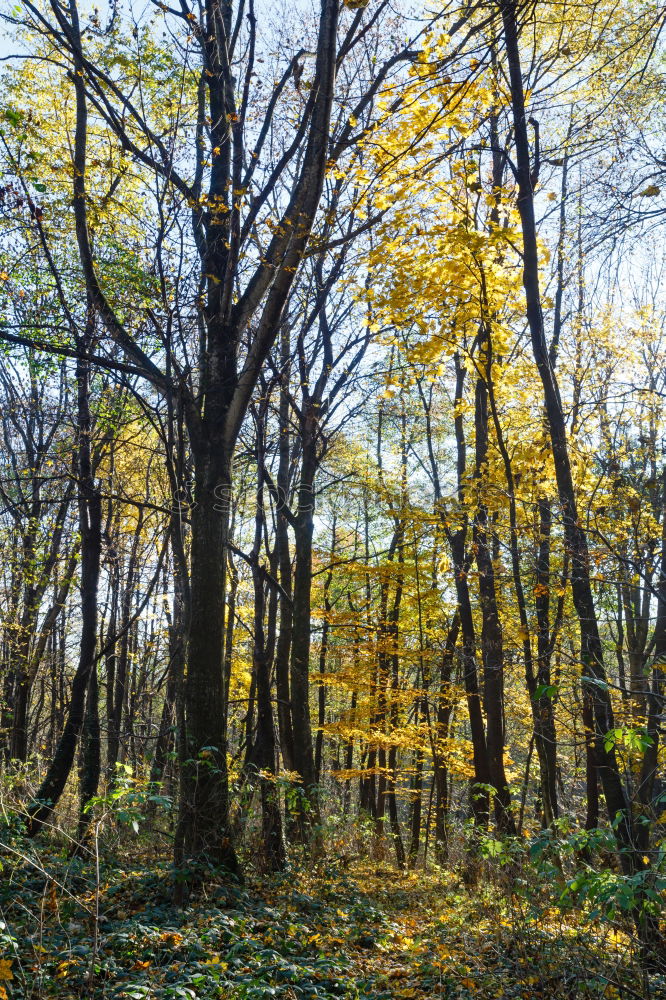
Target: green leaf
545,691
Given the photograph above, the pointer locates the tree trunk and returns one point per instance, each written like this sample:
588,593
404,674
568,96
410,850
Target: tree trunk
480,800
491,630
202,834
91,757
594,675
264,750
117,698
299,679
655,698
544,717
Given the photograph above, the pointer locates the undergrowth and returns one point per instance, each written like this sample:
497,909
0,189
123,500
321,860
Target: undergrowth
104,926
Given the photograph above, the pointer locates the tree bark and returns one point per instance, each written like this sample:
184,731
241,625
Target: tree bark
202,831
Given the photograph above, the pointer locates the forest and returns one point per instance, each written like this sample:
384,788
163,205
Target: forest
332,499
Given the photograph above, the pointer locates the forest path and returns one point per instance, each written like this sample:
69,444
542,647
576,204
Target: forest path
356,931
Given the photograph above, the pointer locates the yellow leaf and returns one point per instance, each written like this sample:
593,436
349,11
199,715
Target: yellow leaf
6,970
217,963
62,970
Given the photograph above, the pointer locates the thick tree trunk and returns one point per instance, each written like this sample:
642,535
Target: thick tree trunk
225,376
203,834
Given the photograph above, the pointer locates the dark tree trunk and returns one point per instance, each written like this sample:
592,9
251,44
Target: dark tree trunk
225,374
491,629
299,678
544,717
594,675
264,750
655,698
461,564
541,702
232,595
203,823
91,757
261,756
117,697
18,739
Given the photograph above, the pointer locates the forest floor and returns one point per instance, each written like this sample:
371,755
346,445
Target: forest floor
85,929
